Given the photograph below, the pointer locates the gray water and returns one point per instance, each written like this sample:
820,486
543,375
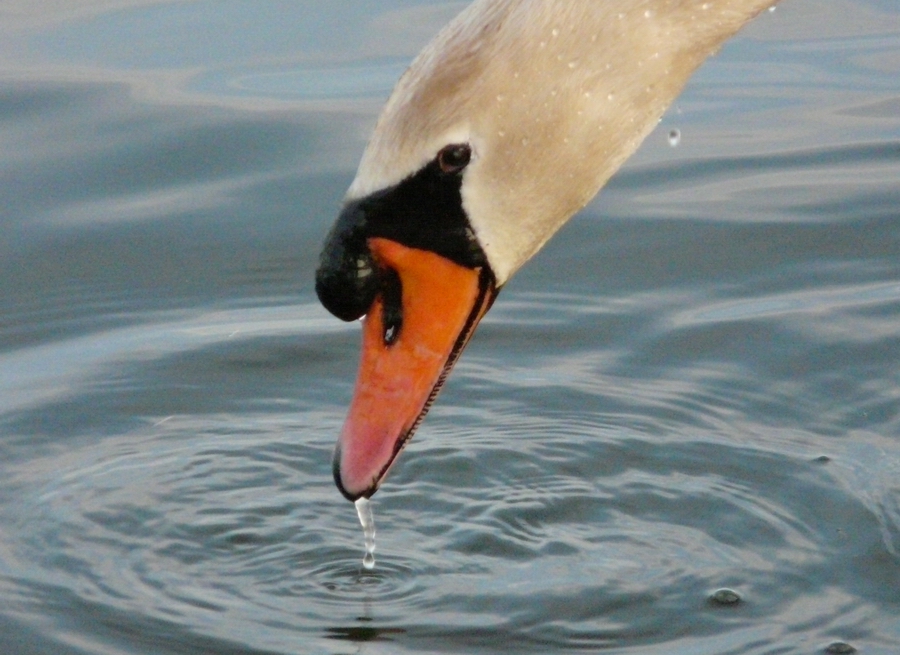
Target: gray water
694,387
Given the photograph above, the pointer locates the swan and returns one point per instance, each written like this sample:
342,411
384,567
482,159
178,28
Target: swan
502,128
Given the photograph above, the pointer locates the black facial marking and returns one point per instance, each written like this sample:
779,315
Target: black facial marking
423,211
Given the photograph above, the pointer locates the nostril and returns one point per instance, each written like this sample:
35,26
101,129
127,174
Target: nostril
391,290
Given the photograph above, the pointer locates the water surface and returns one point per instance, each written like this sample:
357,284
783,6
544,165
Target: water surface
693,387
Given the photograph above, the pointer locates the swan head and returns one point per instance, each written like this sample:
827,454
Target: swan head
507,124
406,260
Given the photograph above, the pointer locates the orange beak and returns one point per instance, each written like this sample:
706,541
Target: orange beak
409,345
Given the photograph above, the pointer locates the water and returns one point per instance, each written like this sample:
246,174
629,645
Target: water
693,388
674,137
367,520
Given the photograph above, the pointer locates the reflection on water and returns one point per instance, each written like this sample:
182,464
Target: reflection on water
691,391
359,81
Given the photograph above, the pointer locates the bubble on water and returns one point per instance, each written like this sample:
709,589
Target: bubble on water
367,519
725,597
674,137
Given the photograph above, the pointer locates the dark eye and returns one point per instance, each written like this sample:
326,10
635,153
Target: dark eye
453,158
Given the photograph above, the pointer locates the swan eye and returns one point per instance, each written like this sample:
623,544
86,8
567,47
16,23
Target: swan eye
453,158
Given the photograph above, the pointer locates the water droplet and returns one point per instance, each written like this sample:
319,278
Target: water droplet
555,32
725,597
525,142
573,63
674,137
611,96
367,519
772,9
840,647
648,13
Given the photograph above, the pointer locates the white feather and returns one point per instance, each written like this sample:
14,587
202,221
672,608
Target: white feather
552,95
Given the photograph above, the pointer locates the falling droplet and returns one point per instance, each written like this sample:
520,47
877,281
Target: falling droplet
674,137
772,9
364,511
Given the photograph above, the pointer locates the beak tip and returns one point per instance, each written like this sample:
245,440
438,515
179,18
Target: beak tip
347,493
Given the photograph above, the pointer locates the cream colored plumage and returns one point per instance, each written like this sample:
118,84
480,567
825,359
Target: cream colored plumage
553,96
504,126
